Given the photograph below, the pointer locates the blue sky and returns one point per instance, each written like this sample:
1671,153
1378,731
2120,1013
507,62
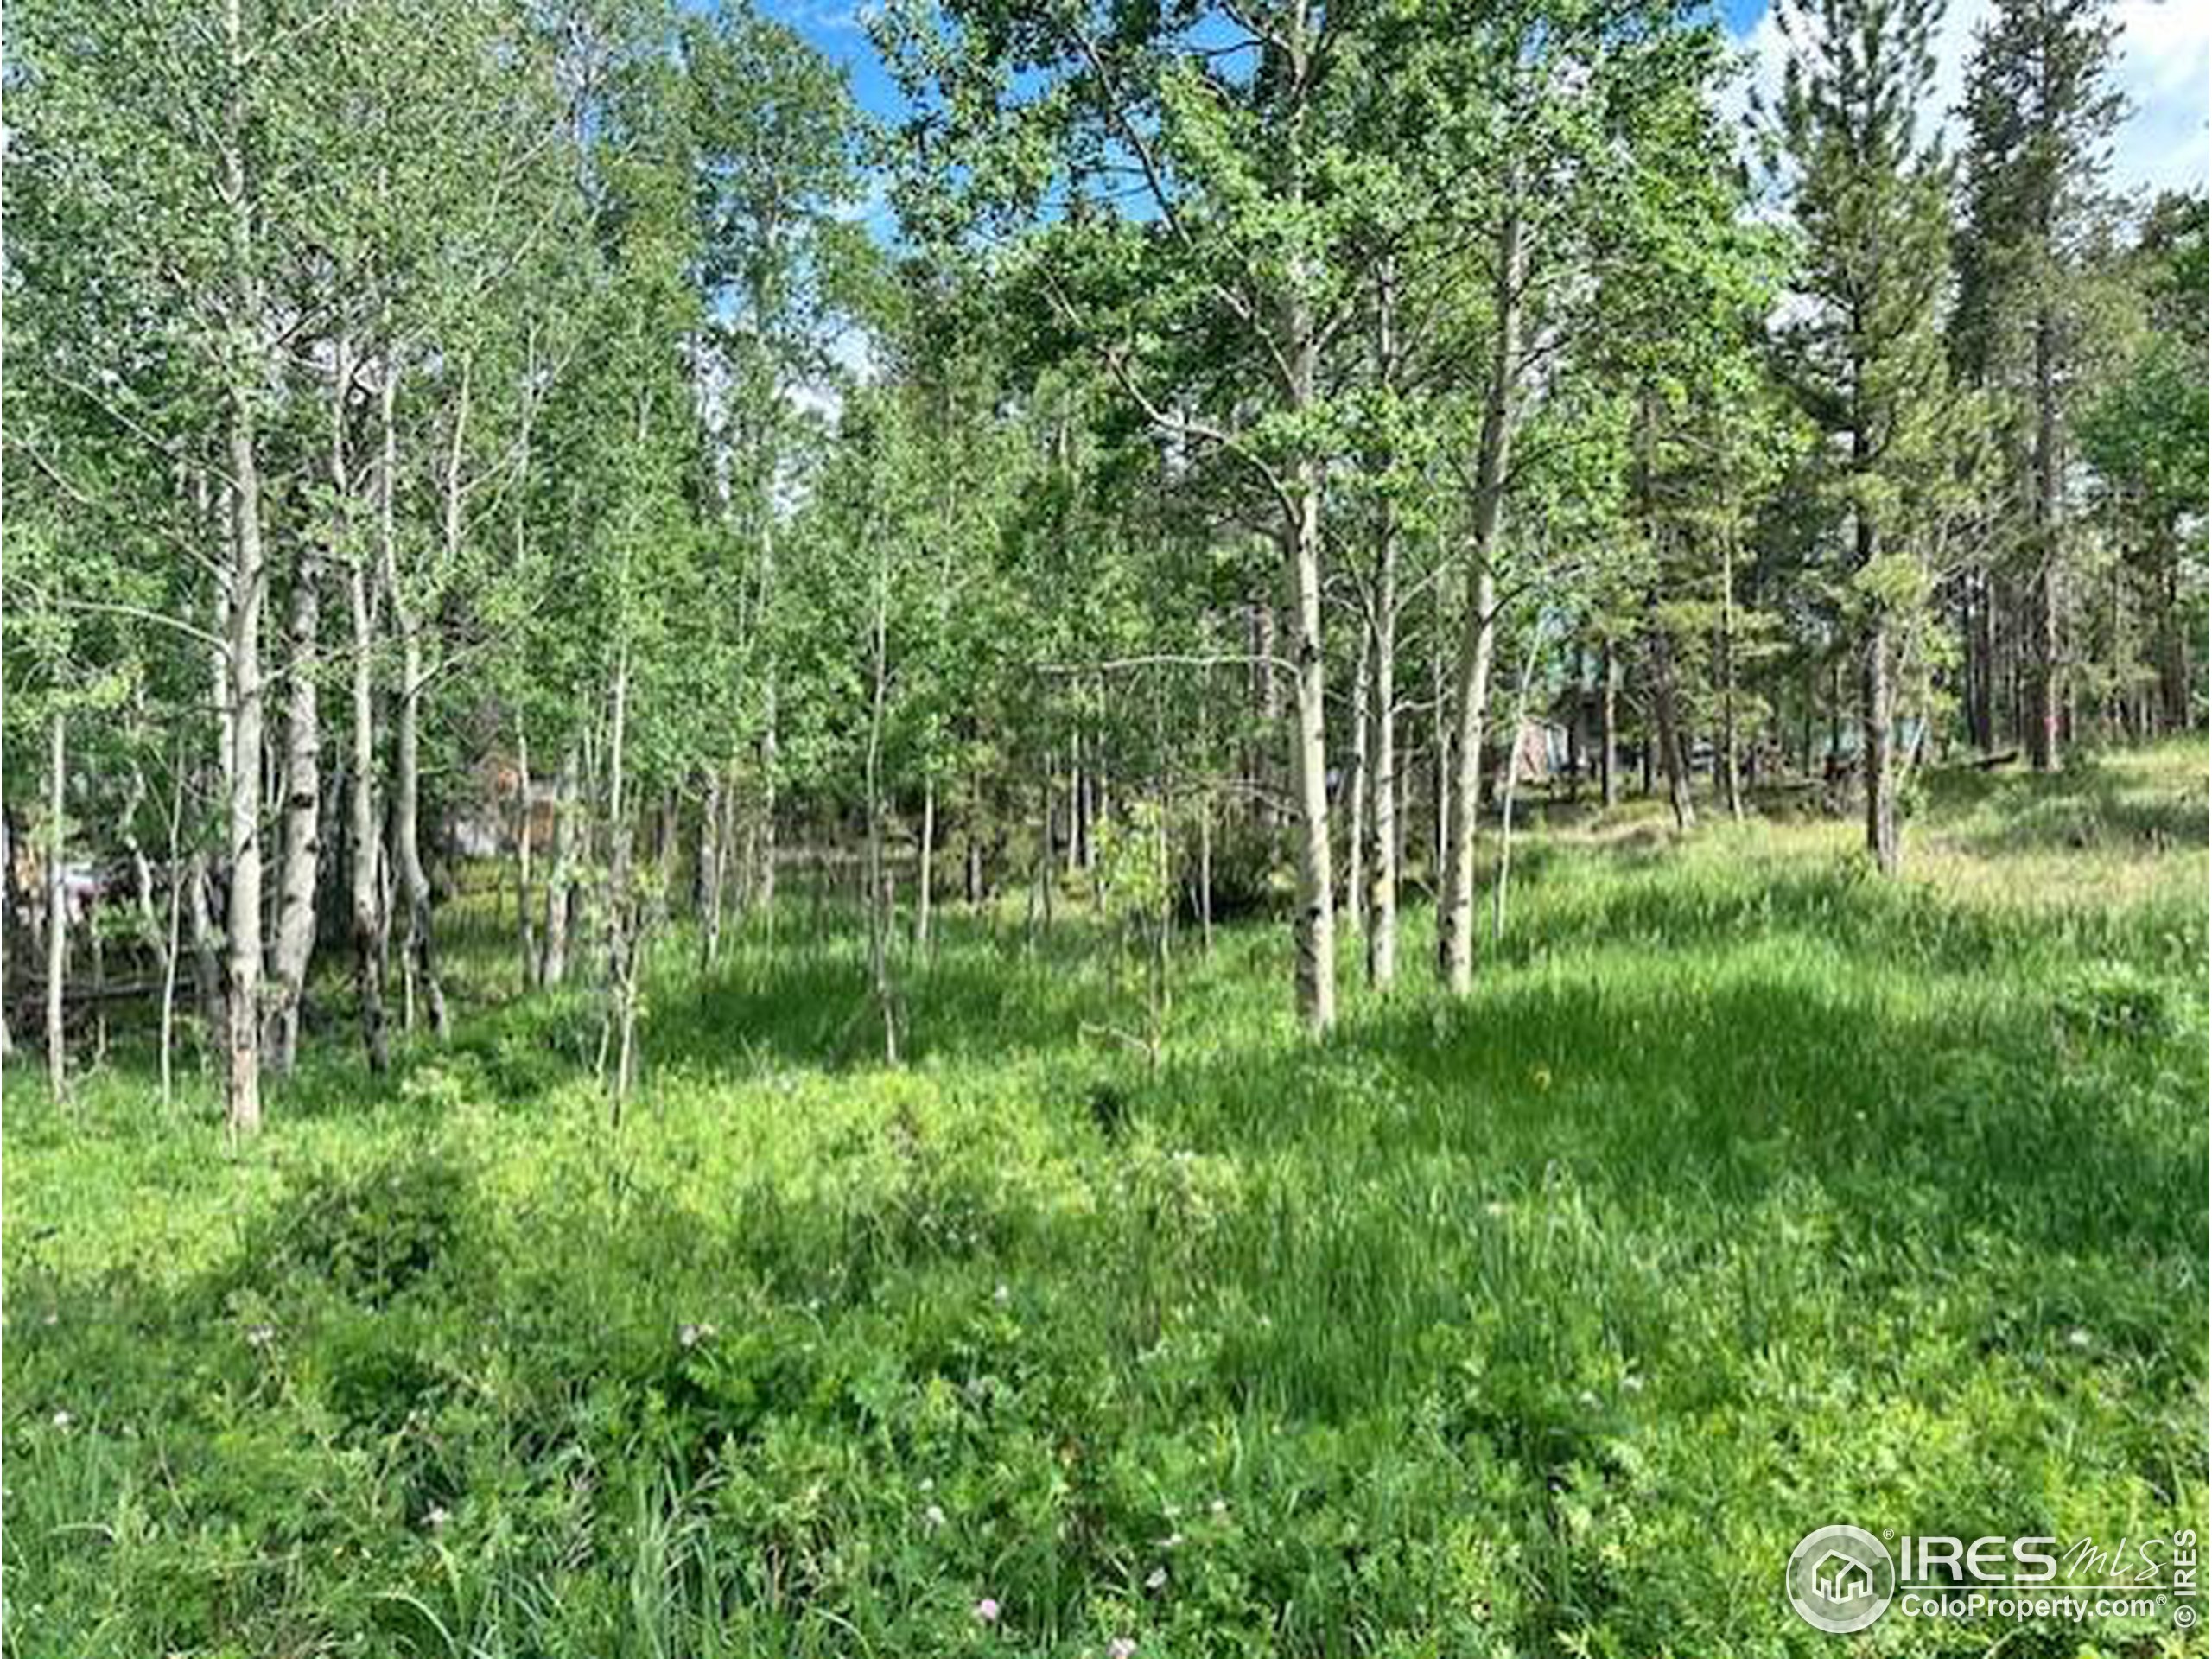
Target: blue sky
835,28
2165,65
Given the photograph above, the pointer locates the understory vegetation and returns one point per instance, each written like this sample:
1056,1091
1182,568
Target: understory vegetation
1747,1192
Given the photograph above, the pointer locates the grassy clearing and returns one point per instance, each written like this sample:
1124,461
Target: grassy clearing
1747,1194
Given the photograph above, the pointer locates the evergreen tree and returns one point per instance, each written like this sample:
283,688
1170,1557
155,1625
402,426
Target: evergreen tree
1862,345
2039,112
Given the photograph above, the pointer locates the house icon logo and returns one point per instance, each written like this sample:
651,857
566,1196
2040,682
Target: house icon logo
1840,1578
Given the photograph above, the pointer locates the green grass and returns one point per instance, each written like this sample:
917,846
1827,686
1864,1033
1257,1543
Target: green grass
1746,1194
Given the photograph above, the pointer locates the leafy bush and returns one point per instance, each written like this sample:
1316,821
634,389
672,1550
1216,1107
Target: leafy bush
369,1231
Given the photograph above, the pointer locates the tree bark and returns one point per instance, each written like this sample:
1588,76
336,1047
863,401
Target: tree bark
1455,925
242,1069
57,904
1732,777
407,738
142,892
927,880
2173,654
525,918
621,920
1382,891
1316,921
2049,687
172,935
208,965
1609,723
974,887
1981,662
1877,717
1512,783
878,903
553,964
242,998
1074,802
1358,783
365,874
1455,942
1577,761
1667,721
763,879
1046,865
302,769
1205,870
713,843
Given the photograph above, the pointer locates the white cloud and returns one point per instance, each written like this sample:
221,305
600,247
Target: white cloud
2165,67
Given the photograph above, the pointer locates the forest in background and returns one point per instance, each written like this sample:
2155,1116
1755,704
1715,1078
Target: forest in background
442,430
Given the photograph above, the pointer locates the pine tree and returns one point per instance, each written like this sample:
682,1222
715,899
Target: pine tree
2039,112
1863,347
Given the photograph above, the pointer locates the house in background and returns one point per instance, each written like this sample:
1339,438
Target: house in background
1540,750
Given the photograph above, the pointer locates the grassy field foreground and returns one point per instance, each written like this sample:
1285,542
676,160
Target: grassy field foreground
1747,1194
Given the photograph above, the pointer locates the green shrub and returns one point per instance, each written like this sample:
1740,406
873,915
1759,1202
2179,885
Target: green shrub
368,1231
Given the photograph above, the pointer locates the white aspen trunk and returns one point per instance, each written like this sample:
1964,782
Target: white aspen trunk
525,915
242,997
1439,738
1156,982
1043,912
1316,920
878,907
713,840
407,765
1074,802
621,942
622,913
1205,871
1382,892
141,884
525,918
928,868
57,904
553,965
1358,783
763,877
1876,724
1732,777
206,946
1382,743
302,775
1609,737
173,946
733,850
1463,801
370,927
1512,782
1455,925
242,1069
974,858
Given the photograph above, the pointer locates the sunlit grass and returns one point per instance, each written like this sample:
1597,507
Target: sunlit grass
1746,1194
